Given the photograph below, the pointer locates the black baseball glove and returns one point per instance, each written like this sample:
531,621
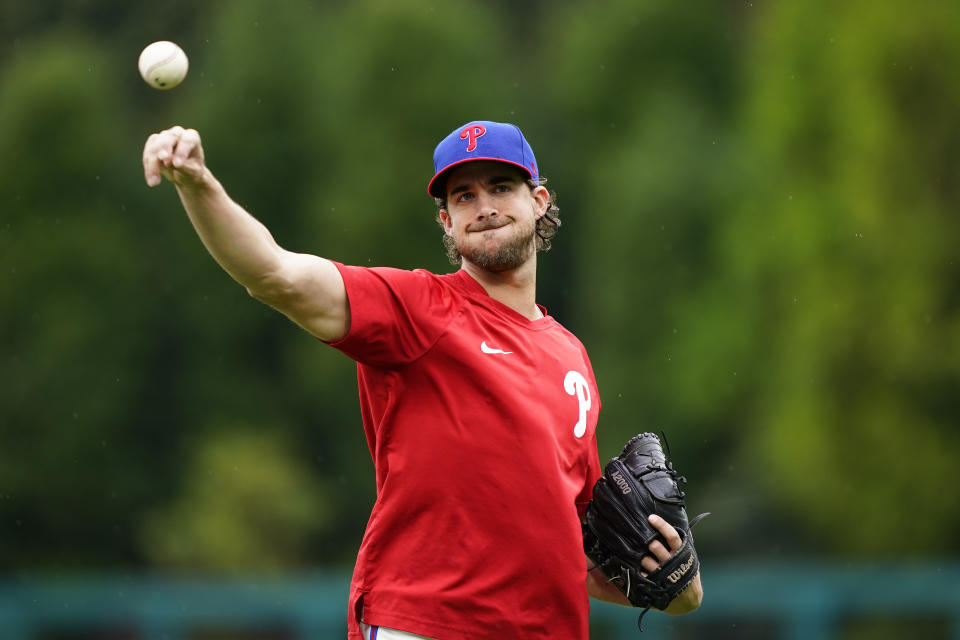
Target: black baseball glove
616,532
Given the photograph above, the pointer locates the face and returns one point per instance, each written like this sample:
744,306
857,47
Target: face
492,214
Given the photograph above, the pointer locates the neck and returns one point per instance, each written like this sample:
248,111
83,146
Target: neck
516,288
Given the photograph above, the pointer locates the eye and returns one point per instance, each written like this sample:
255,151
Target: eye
464,196
501,188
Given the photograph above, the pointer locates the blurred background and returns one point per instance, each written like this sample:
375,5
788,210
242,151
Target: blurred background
760,249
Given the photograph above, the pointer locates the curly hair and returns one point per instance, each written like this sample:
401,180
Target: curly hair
546,229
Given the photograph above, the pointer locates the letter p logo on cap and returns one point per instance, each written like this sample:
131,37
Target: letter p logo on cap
471,133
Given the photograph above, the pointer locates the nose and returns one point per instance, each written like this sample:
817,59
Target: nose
485,207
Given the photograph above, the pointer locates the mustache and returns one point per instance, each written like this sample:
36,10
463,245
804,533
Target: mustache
487,225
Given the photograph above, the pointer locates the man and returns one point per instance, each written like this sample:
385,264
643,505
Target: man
479,408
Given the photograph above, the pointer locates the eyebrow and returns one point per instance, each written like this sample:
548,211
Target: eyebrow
493,181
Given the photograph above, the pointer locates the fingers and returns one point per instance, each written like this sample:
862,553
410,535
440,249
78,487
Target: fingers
667,531
659,553
649,565
186,147
168,152
657,556
151,164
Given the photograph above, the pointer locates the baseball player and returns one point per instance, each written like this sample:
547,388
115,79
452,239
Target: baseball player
479,408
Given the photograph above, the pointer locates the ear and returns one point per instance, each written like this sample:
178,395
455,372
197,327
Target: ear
447,222
541,201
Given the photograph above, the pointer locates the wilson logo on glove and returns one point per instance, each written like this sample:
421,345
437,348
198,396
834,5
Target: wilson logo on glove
679,573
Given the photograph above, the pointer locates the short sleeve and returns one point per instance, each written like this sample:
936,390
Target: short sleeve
592,468
395,315
592,474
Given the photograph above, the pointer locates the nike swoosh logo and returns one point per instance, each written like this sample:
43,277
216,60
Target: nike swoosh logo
486,349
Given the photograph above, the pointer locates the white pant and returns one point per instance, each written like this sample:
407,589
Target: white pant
383,633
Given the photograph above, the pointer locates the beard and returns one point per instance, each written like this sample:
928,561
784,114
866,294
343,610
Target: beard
510,254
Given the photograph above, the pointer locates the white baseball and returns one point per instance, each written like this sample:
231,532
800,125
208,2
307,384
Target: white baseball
163,65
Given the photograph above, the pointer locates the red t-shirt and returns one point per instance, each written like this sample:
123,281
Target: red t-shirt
481,424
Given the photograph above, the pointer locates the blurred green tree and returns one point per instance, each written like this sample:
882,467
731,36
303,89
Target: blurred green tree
246,504
77,440
844,258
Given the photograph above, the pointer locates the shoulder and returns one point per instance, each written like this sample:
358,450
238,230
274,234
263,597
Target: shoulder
392,277
416,293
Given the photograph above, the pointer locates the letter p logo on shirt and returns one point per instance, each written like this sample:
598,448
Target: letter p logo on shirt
576,385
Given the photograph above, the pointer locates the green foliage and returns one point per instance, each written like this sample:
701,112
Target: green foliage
848,255
759,250
73,339
247,504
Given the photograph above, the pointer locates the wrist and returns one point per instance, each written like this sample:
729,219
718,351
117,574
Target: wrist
688,600
203,185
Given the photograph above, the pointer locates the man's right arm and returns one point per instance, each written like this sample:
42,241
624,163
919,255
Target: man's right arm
307,289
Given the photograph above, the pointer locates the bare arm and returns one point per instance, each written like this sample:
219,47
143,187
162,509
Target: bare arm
306,288
599,588
686,602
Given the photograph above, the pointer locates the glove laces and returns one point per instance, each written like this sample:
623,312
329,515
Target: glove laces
625,576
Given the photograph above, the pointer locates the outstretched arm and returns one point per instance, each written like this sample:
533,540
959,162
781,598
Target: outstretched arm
306,288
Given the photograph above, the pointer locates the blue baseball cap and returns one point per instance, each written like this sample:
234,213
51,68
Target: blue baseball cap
481,140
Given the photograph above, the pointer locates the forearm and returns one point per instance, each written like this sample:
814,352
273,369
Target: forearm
239,243
599,588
